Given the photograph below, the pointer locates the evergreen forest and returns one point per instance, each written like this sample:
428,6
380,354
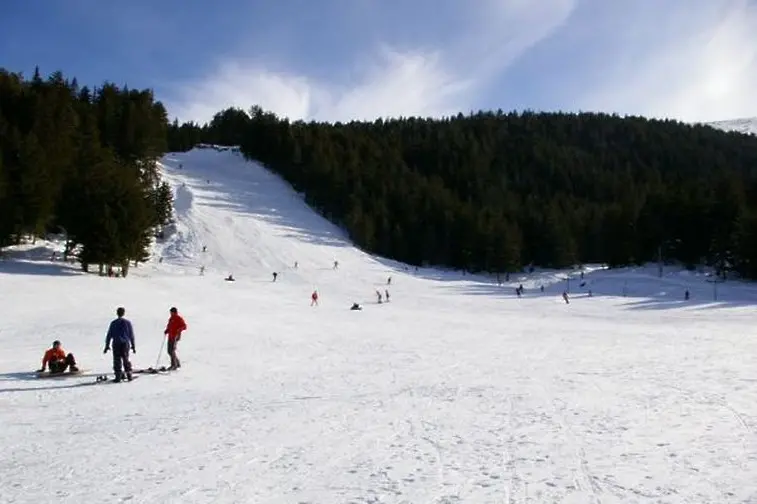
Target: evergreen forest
489,191
82,162
497,192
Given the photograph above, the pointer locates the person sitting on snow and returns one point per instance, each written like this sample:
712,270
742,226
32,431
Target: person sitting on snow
356,306
57,360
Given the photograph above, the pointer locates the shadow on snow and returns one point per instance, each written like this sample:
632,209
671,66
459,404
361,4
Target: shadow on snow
35,261
56,383
252,189
644,291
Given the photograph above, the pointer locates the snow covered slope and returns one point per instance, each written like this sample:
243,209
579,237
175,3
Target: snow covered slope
251,224
745,125
454,391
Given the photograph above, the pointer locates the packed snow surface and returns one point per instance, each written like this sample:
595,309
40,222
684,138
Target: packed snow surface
454,391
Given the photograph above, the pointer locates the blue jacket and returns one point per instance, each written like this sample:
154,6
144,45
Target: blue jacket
120,332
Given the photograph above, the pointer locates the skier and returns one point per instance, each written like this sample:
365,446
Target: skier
314,298
389,281
356,307
565,297
121,333
378,295
57,359
275,275
336,264
296,264
386,294
174,329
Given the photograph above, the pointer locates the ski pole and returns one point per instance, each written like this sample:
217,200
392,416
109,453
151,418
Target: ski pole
160,352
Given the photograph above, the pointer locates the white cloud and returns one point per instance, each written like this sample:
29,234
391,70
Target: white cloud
233,84
432,82
700,66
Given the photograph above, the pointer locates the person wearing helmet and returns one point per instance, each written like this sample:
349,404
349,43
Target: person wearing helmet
57,360
174,328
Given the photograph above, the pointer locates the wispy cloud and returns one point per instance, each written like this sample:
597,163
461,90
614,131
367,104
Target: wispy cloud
694,60
389,81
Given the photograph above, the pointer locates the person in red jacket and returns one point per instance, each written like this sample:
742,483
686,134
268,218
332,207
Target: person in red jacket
57,360
174,328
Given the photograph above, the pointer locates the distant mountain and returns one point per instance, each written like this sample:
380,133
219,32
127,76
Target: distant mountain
745,125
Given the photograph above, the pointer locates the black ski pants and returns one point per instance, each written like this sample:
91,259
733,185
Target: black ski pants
121,357
59,366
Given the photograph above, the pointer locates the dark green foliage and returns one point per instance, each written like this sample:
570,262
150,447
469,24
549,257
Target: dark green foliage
162,201
82,161
495,191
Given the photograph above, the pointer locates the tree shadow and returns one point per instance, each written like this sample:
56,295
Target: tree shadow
35,261
27,267
644,291
252,189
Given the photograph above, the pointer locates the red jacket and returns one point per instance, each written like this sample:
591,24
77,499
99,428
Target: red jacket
175,326
53,355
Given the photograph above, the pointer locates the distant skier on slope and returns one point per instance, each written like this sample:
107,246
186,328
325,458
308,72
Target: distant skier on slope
58,361
275,274
176,325
121,333
314,298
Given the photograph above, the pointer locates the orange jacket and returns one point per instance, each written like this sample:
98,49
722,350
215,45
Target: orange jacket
175,326
53,355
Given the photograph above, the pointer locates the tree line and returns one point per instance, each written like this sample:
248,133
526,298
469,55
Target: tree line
496,191
82,162
487,191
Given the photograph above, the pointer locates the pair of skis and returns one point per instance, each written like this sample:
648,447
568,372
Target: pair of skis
135,374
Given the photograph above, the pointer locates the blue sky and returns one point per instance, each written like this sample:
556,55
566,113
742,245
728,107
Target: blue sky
694,60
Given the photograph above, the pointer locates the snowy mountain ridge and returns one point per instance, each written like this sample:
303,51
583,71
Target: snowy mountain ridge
747,125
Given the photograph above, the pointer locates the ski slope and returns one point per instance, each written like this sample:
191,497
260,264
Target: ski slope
454,391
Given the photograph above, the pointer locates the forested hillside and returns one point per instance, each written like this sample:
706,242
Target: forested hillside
498,191
490,191
83,162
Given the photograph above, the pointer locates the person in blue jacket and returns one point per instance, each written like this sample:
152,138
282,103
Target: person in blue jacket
121,334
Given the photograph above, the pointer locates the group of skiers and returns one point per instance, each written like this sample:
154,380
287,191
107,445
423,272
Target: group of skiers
119,340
